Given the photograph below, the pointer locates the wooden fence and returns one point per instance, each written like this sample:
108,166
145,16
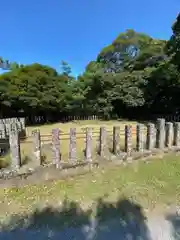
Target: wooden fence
45,119
145,138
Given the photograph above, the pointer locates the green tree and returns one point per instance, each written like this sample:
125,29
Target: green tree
4,64
65,68
95,67
134,76
162,89
14,65
130,50
173,45
34,89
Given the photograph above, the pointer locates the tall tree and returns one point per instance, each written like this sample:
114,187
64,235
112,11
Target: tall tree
66,69
14,65
173,45
4,64
127,48
34,89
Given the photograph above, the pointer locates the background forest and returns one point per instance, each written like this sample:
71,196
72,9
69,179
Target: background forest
136,76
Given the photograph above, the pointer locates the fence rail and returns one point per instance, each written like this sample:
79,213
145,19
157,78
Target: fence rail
79,135
65,118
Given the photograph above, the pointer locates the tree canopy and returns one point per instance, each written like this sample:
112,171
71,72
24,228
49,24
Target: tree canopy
135,76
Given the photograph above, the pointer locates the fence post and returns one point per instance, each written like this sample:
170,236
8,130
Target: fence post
169,134
150,136
116,140
14,142
103,138
72,145
88,150
56,147
160,138
140,138
37,145
177,134
128,141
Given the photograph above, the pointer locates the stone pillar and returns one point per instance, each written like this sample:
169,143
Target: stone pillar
116,140
14,142
177,134
37,145
160,137
22,121
56,147
19,127
1,134
140,137
103,139
72,145
169,134
150,136
3,137
3,130
7,129
88,150
23,127
128,141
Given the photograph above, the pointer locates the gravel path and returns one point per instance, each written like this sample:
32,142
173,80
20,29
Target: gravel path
154,228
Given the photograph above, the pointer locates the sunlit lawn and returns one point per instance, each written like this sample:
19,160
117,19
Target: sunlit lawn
79,125
148,184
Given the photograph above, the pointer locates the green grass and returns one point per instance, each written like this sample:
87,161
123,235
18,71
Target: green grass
148,184
95,124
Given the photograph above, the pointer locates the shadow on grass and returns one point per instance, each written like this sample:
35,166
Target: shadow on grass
120,220
174,219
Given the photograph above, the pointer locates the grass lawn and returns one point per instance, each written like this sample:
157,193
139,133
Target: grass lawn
148,184
79,125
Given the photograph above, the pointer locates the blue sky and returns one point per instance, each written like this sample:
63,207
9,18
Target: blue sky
48,31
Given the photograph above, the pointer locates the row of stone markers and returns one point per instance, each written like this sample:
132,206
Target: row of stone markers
5,126
159,135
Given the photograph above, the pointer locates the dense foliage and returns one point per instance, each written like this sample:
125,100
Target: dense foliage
135,76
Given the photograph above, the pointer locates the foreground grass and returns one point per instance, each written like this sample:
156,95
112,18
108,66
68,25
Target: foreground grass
148,184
